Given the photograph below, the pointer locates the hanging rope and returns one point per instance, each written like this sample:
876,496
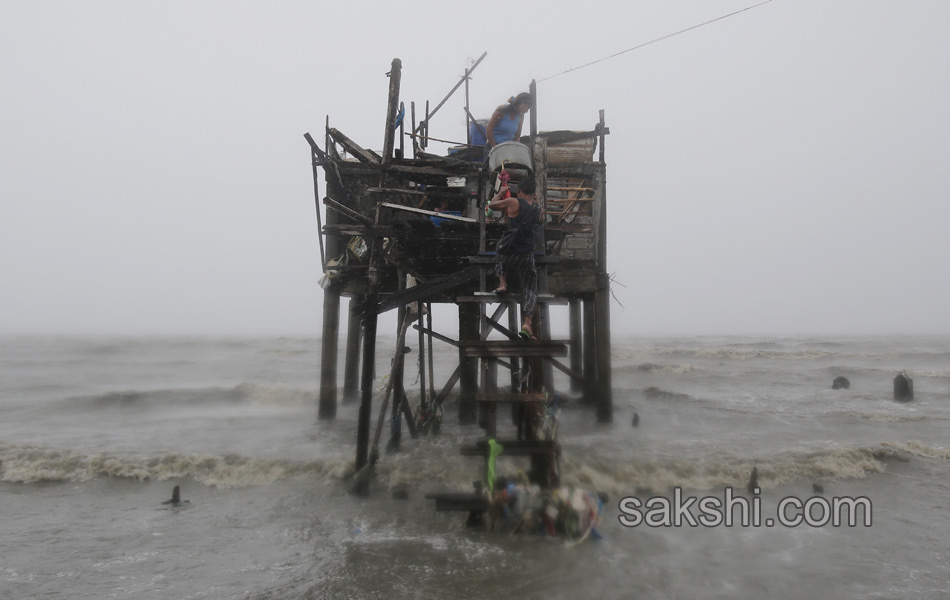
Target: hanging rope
659,39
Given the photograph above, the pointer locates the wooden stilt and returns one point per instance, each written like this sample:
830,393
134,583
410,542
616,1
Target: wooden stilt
602,337
590,351
431,367
577,356
351,366
398,375
328,357
468,331
422,358
366,400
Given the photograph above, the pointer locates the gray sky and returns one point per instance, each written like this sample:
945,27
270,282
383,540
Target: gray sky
780,171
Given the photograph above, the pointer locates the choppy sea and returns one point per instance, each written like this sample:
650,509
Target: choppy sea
96,431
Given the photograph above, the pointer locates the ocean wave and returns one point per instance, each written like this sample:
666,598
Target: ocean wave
661,477
649,367
30,464
246,393
658,394
885,417
742,354
420,467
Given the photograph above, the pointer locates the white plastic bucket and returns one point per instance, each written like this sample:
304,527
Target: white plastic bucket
510,154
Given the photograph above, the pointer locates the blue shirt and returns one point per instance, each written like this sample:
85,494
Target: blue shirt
506,128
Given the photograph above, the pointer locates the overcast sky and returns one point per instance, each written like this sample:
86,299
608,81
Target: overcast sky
781,171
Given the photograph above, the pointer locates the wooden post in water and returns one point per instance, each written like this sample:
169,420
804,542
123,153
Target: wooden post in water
577,357
602,338
468,381
366,395
602,295
422,354
328,356
398,376
431,365
351,366
372,295
590,351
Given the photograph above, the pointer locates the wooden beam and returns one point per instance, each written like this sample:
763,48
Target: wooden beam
563,137
420,292
437,336
358,168
360,153
449,385
508,348
430,213
464,78
376,190
490,298
389,133
349,212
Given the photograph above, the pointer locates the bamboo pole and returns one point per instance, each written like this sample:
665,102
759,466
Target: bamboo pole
468,331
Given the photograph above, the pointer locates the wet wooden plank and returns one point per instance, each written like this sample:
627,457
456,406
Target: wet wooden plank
510,348
361,153
429,213
489,298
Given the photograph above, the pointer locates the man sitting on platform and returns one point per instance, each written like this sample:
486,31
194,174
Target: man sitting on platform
517,255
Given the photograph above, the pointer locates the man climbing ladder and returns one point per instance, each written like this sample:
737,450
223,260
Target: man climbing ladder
515,250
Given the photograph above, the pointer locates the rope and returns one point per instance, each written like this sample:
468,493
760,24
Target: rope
659,39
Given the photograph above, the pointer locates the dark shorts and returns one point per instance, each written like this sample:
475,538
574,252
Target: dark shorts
521,265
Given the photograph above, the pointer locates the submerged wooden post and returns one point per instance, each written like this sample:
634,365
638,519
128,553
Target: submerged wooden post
372,295
398,375
351,366
431,366
366,397
577,357
468,381
328,356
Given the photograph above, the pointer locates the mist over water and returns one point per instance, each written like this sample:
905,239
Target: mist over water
97,432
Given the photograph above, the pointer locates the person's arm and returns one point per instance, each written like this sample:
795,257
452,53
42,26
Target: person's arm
490,128
499,203
520,123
